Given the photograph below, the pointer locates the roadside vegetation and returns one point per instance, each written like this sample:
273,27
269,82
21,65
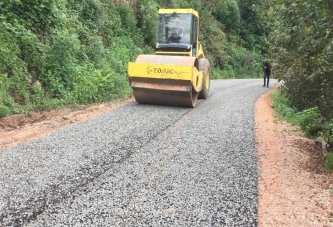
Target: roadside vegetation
302,54
309,120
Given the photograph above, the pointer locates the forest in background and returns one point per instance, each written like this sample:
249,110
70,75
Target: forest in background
66,52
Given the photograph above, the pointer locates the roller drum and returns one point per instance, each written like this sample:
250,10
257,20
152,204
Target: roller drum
165,80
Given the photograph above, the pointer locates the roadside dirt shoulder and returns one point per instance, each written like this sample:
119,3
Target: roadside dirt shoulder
18,129
293,188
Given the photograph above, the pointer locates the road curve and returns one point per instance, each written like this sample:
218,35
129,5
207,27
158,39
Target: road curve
141,165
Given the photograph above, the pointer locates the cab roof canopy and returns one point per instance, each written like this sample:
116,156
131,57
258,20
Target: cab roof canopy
178,11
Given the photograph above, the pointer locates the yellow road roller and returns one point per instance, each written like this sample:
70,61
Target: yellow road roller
178,74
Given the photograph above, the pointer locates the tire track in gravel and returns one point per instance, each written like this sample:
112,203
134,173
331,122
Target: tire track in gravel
161,163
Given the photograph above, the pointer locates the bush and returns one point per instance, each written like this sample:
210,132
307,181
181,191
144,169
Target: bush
228,14
61,62
329,161
101,85
240,63
311,121
216,73
283,106
328,134
7,105
146,11
4,111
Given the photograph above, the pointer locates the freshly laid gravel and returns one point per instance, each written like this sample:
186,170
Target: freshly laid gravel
141,165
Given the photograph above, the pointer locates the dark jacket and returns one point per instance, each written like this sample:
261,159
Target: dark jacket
267,68
176,33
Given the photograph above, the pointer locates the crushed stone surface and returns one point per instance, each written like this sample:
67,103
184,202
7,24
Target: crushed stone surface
141,165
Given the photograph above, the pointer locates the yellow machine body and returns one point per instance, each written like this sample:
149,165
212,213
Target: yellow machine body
178,73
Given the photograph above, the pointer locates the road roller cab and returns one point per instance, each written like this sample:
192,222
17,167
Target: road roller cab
178,74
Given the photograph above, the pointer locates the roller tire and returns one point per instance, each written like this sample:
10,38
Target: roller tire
204,66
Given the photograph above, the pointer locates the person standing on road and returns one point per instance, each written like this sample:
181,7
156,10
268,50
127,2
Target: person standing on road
267,72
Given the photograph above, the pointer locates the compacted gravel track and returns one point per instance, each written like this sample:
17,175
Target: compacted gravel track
141,165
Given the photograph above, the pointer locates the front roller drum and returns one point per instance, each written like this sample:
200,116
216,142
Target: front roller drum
165,80
164,92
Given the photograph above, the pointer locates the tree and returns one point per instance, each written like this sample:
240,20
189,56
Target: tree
253,29
303,52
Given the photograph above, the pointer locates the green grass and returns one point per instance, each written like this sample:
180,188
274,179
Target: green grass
329,162
309,120
283,108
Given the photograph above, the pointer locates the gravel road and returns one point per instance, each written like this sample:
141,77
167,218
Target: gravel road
141,165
